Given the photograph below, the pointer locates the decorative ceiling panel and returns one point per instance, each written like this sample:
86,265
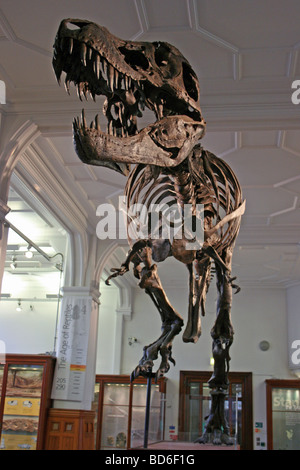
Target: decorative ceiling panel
251,24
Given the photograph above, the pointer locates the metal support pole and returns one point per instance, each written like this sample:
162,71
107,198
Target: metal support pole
147,415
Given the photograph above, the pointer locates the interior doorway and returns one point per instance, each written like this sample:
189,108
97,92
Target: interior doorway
195,400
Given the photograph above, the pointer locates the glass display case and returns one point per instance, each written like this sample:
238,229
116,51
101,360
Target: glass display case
283,414
195,405
121,407
25,398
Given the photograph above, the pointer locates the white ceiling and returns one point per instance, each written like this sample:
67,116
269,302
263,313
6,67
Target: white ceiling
246,55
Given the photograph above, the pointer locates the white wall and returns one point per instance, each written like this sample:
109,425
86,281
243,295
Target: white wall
109,299
29,331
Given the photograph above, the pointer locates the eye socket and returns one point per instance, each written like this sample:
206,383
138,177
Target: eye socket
136,59
190,81
161,54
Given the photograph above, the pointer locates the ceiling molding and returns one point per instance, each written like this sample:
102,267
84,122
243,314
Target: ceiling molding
210,36
11,36
33,169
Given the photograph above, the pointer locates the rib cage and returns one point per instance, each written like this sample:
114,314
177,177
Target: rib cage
203,179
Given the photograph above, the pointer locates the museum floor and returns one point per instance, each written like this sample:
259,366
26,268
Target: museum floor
177,445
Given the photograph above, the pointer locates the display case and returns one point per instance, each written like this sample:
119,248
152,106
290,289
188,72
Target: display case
120,409
283,414
195,404
25,382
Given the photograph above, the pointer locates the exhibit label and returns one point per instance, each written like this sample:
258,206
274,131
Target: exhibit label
73,335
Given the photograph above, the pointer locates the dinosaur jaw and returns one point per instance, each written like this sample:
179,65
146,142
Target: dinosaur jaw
128,75
165,143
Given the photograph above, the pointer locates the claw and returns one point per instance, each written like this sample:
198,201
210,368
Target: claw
158,375
203,439
171,359
135,373
237,288
234,286
117,272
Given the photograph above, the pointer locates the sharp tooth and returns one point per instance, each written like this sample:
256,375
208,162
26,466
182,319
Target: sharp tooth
126,82
97,123
92,125
111,77
79,91
67,84
90,52
130,98
97,66
110,129
121,112
83,119
160,111
83,50
116,78
58,70
71,43
104,69
129,82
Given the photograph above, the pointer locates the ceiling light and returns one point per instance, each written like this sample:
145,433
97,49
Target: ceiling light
19,307
29,253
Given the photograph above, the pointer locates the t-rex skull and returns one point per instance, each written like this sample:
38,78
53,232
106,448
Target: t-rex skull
131,75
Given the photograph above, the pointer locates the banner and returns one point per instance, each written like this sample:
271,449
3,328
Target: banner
73,340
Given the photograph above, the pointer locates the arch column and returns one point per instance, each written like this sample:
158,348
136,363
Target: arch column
123,313
15,137
4,210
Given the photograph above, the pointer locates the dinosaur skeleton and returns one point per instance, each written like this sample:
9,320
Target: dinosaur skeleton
169,166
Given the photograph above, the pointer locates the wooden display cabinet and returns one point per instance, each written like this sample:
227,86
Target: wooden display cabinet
120,411
25,386
283,414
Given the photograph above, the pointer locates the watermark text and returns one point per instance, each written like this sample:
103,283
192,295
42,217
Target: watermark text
158,221
296,93
295,357
2,92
